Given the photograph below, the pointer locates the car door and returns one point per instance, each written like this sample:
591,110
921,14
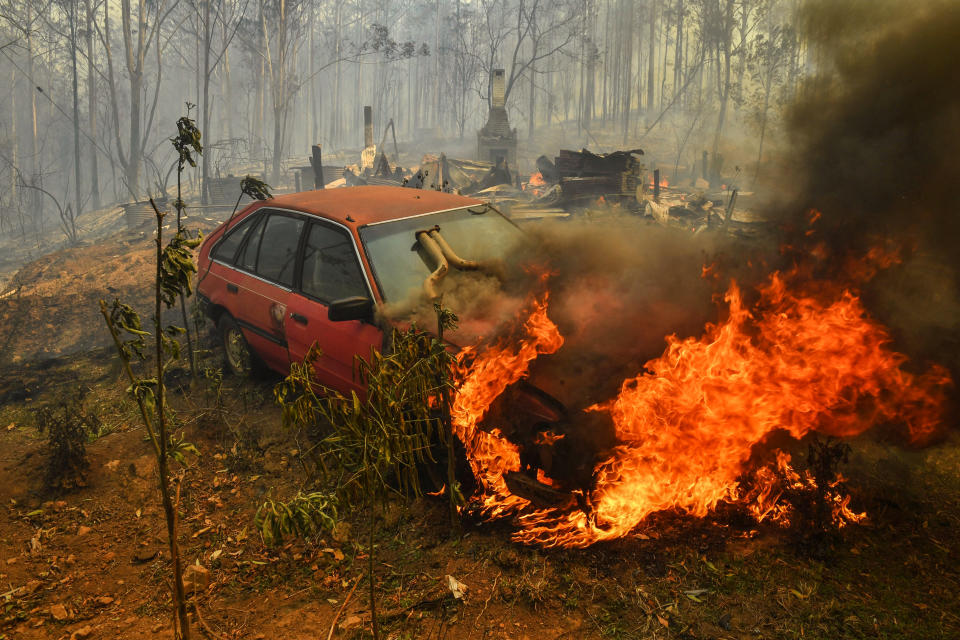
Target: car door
266,271
219,280
330,271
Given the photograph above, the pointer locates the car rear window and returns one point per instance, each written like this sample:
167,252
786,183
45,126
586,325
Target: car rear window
226,249
278,248
248,254
331,270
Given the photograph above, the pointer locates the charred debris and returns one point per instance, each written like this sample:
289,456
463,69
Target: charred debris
570,184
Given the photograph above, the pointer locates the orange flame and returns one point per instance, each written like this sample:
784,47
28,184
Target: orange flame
687,425
485,377
664,183
766,503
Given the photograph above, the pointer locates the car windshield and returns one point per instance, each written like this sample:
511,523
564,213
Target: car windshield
478,233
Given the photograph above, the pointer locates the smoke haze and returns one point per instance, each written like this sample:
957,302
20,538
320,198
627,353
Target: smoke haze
874,148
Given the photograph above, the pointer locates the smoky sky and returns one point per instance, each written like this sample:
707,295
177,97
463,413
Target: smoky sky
874,149
875,134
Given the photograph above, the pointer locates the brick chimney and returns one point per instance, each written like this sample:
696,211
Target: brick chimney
496,141
499,89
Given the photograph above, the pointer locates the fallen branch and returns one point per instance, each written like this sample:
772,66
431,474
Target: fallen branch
333,624
493,591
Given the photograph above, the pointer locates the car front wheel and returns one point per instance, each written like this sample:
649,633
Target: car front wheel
237,357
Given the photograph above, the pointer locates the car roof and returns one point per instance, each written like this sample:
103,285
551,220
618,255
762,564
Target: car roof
370,204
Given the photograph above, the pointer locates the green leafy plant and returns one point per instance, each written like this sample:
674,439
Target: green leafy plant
303,516
252,187
447,320
255,188
214,378
174,272
186,142
68,427
373,448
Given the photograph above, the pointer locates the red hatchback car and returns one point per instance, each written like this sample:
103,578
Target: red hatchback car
315,267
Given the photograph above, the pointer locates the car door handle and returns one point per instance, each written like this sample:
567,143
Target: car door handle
299,318
232,288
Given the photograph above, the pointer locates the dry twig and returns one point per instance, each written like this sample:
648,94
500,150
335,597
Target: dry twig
493,590
333,624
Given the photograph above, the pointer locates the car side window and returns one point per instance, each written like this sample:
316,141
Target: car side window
226,249
278,248
331,270
248,253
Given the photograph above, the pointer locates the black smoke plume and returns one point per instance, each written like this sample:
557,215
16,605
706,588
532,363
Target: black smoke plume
875,138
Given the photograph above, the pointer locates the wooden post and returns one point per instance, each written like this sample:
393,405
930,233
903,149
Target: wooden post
316,161
656,185
367,127
728,215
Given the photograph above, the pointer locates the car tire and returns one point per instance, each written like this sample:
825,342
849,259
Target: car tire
238,359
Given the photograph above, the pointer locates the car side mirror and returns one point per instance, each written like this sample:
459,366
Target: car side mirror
356,308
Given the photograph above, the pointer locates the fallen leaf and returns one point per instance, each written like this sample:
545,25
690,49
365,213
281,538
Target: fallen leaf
196,577
341,532
59,612
457,588
82,632
216,554
139,512
144,555
351,622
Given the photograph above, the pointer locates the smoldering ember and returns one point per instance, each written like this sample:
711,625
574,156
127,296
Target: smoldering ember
479,319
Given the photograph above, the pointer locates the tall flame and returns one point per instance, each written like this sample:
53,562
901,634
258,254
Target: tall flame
483,380
686,426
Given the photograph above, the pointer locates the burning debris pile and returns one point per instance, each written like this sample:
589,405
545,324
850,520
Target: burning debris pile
804,358
581,176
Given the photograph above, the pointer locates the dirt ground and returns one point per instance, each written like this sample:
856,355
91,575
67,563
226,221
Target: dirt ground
94,563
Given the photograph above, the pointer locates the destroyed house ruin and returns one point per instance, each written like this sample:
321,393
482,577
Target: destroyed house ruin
496,141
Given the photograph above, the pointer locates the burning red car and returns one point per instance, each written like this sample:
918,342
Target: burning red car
326,266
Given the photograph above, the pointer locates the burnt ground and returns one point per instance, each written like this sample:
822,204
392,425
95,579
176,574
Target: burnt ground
94,562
